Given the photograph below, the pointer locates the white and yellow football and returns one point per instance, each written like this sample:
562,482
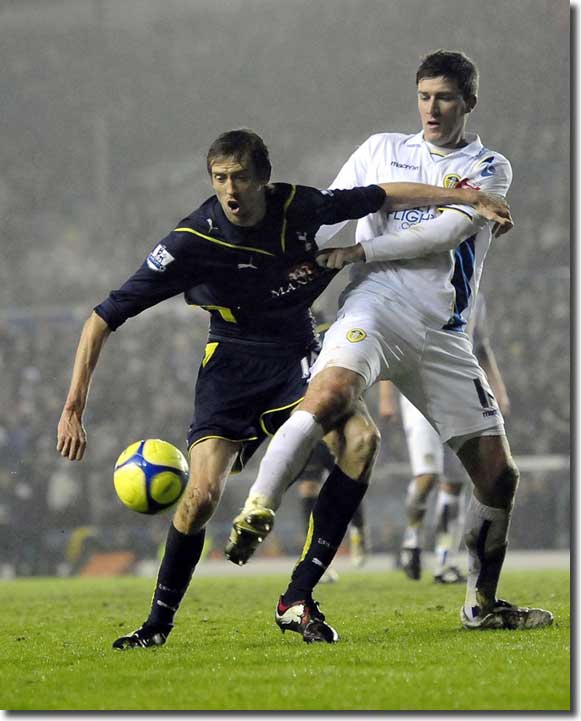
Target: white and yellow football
150,476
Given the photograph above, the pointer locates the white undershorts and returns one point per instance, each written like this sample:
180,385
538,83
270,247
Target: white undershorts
425,449
382,339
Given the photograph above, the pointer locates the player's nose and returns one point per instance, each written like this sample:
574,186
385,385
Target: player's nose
433,109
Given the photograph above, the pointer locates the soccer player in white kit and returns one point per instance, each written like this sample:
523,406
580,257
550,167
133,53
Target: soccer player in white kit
414,279
428,461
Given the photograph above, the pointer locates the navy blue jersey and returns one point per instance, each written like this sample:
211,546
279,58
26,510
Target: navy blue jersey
257,282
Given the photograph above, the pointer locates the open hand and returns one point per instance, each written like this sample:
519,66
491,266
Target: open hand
71,436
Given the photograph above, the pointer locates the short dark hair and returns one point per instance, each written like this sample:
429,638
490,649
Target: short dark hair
238,143
454,65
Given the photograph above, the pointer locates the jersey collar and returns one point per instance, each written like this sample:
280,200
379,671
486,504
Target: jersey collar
474,146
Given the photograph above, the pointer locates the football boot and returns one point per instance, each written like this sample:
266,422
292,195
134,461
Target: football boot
305,618
249,529
145,636
449,574
506,615
410,561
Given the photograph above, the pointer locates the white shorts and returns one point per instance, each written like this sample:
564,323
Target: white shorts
381,339
425,448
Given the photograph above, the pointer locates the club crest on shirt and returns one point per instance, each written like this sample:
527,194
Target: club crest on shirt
451,180
159,258
355,335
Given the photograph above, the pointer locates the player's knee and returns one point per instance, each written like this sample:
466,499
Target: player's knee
309,489
508,481
332,396
499,491
332,403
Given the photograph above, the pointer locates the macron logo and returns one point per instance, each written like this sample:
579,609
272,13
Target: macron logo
404,166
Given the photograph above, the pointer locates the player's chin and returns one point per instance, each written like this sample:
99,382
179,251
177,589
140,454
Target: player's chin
434,135
234,217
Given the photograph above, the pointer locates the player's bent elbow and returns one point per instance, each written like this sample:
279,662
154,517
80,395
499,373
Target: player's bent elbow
98,325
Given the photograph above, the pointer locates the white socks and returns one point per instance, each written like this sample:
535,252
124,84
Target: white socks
415,508
285,457
447,528
486,538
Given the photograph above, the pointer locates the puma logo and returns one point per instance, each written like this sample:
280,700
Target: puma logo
241,266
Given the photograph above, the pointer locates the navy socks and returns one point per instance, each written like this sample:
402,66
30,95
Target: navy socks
182,553
338,500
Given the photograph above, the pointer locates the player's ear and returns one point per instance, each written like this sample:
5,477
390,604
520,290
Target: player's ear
471,101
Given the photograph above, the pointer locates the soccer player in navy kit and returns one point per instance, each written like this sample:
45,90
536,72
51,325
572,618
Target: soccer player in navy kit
247,255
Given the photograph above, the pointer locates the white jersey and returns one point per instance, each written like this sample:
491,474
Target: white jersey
441,287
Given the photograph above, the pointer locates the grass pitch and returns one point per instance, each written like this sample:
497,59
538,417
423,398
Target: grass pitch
401,648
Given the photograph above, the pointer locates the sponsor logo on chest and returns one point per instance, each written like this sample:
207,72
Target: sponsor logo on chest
413,216
298,276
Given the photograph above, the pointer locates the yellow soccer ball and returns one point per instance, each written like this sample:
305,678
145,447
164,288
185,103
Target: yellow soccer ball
150,476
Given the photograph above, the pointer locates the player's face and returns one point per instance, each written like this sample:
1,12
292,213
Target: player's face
239,190
443,111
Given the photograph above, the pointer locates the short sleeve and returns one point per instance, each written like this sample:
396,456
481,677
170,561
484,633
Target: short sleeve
169,269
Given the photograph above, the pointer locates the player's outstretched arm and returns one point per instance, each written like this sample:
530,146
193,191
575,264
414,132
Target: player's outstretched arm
401,196
435,236
71,435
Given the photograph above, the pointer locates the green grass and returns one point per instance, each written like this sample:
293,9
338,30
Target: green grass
401,648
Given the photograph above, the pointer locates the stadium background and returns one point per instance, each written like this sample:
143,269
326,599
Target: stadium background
108,110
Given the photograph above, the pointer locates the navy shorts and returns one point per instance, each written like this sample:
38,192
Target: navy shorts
245,393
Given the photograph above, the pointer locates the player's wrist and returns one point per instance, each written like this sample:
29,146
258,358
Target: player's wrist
469,196
360,253
74,407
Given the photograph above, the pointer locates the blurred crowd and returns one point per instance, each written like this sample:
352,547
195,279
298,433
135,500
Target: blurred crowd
86,193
